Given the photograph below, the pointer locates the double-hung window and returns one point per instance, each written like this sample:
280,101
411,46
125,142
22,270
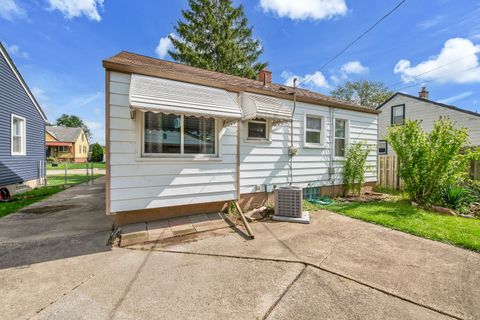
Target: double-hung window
398,114
18,135
313,131
178,134
340,137
257,129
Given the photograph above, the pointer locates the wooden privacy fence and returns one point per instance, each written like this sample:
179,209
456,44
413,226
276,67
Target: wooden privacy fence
388,172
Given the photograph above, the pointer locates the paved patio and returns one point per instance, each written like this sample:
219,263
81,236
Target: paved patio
174,227
58,266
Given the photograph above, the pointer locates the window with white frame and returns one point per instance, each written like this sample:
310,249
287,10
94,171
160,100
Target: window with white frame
178,134
63,149
340,137
382,147
257,129
313,130
18,135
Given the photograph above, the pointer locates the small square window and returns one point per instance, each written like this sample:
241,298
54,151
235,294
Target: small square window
382,147
257,129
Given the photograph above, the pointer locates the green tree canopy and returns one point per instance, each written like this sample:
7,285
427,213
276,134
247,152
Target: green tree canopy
215,36
73,121
363,92
97,153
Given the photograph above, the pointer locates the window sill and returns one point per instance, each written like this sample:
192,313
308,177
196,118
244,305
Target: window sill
255,141
313,146
17,154
177,159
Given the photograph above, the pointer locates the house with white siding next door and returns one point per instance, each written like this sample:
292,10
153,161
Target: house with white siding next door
403,106
183,140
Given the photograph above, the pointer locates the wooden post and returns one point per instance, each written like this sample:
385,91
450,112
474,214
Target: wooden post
244,220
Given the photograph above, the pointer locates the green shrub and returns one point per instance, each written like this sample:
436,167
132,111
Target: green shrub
97,153
355,167
473,187
52,160
456,197
430,162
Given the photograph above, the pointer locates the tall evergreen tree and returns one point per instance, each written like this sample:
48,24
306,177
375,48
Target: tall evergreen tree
215,36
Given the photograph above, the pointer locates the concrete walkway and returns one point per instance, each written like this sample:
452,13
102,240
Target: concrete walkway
334,268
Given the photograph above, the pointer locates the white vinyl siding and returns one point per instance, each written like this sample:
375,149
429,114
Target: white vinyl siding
139,183
428,113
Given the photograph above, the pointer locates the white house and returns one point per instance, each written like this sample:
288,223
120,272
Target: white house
402,106
183,140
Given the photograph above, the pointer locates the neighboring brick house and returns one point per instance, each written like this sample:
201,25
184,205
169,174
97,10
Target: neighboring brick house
66,144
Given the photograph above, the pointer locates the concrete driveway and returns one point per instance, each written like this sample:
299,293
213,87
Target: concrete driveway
334,268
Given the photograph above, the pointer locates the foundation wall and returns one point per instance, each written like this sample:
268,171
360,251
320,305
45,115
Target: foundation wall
248,201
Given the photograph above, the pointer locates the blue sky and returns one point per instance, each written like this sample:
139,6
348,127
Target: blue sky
58,45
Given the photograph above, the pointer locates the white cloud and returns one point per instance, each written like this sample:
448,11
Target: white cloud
9,10
98,131
430,23
456,97
163,46
315,81
94,125
305,9
457,62
41,97
14,50
75,8
353,67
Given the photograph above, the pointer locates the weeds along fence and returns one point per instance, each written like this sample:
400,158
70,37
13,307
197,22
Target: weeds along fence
388,172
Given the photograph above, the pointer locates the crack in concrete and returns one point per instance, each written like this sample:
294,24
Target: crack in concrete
62,295
332,248
272,307
305,263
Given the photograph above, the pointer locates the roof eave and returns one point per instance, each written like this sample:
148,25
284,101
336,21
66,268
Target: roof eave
120,67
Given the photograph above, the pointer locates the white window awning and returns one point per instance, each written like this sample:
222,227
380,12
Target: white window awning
169,96
260,106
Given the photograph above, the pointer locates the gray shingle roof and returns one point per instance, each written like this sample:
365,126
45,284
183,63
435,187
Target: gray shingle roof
64,134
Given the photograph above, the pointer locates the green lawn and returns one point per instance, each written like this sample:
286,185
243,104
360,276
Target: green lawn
24,199
401,215
61,166
56,180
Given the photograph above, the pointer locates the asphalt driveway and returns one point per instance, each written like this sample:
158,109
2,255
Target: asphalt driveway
58,266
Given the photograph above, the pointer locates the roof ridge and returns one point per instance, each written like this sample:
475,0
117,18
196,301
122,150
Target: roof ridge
440,104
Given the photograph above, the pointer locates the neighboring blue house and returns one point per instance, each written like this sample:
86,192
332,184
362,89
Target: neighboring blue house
22,131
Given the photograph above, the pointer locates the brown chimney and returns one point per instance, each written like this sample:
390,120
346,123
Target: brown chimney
265,76
424,93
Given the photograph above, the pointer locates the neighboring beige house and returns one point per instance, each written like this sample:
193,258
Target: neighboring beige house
403,106
66,144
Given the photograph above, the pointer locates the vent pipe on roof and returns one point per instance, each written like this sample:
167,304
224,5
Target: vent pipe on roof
424,93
